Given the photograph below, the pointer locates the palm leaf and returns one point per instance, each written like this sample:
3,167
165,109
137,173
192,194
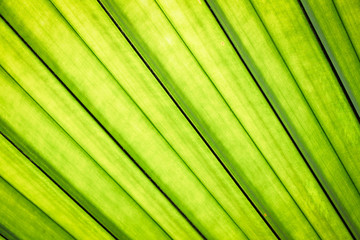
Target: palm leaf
179,119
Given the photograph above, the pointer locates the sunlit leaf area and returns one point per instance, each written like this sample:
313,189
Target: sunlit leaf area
180,119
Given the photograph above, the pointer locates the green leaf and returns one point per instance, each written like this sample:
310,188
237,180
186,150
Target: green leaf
157,119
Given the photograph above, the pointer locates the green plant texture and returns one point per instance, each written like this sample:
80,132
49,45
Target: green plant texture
180,119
